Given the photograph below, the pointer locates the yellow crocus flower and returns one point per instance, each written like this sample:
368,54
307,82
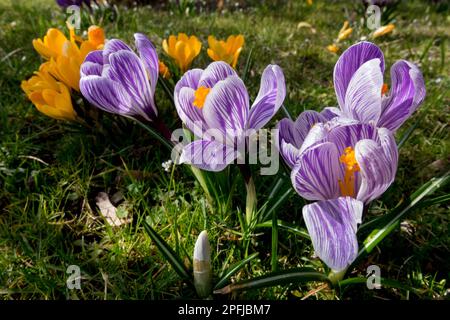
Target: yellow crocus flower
309,2
227,51
333,48
182,49
67,55
381,31
345,31
163,70
50,97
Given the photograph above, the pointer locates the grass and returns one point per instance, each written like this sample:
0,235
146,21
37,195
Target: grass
50,173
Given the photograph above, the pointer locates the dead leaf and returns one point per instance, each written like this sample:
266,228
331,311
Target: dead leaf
109,211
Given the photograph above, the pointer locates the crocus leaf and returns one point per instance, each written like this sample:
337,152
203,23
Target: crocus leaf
383,282
168,253
408,134
248,65
392,219
233,269
285,277
286,226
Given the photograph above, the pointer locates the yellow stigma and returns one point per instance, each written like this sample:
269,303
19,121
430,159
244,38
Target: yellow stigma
200,96
351,166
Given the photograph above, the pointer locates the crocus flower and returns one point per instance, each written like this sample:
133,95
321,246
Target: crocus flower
183,49
381,31
333,48
359,86
345,32
66,55
227,51
50,97
343,164
164,70
117,80
214,104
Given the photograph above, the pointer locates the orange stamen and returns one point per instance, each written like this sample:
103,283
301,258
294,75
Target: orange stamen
351,166
200,96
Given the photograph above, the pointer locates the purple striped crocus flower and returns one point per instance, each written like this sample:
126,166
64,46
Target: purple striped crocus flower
343,164
118,80
362,94
214,104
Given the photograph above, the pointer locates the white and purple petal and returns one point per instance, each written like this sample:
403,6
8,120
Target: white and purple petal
378,165
332,226
112,46
208,155
349,62
106,94
226,108
316,173
215,72
270,97
147,53
406,94
363,95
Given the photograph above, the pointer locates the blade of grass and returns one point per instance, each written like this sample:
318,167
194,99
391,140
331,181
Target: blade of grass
233,269
408,133
274,257
168,253
285,226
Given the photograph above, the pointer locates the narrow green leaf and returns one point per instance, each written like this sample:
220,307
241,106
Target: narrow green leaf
156,135
168,253
285,226
393,219
278,203
233,269
248,65
383,282
408,133
286,112
272,279
274,256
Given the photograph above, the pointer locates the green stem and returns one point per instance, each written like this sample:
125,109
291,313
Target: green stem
274,257
336,276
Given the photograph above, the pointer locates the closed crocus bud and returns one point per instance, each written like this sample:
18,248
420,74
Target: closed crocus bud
384,30
202,266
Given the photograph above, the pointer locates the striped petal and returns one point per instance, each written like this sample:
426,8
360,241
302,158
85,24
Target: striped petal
271,95
378,165
332,226
407,93
148,55
347,135
215,72
189,114
316,174
112,46
129,70
363,96
349,62
106,94
226,108
208,155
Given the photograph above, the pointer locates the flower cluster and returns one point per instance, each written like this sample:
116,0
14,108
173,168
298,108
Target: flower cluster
49,89
340,158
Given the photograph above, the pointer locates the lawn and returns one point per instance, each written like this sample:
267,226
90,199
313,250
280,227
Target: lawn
51,172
